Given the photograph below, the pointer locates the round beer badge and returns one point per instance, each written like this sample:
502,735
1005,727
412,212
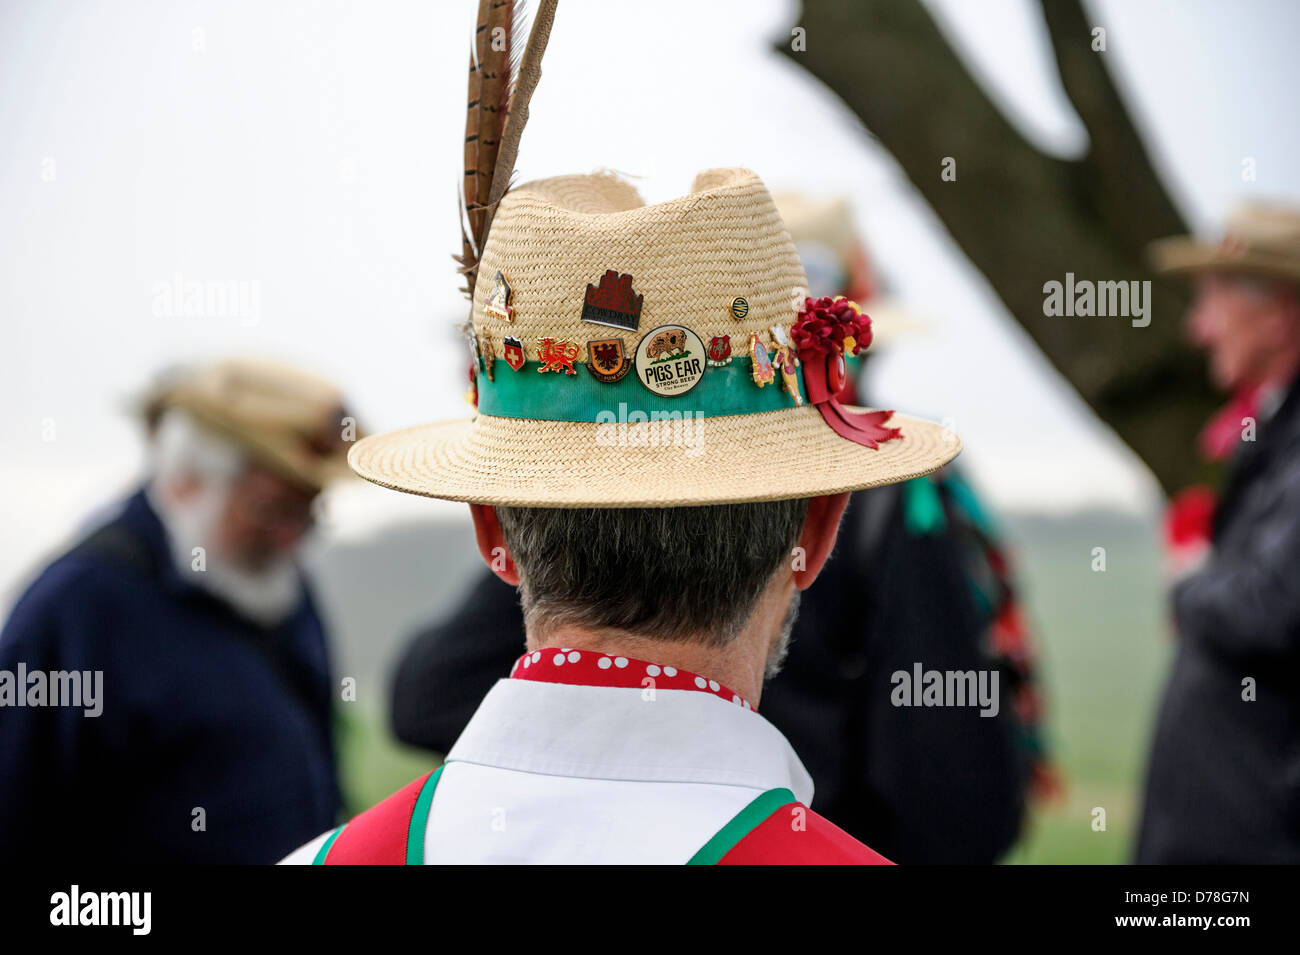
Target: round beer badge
670,360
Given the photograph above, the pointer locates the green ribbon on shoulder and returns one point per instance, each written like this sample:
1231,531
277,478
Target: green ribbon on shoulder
556,396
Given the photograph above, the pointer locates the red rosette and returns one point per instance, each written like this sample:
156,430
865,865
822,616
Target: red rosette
825,323
824,332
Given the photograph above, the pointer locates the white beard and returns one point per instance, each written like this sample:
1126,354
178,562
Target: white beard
266,596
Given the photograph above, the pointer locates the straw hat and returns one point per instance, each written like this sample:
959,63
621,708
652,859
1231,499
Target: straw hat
593,312
1262,238
291,421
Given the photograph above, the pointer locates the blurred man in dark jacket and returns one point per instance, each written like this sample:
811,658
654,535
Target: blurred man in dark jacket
915,578
1223,785
201,727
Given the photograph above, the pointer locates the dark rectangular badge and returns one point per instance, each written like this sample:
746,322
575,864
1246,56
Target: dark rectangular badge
612,303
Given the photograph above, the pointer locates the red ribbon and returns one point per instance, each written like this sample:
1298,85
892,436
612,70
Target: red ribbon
819,334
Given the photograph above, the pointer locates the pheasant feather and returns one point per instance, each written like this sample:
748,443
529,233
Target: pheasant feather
497,110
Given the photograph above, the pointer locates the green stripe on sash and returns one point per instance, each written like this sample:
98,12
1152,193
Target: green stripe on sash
744,822
325,849
420,819
556,396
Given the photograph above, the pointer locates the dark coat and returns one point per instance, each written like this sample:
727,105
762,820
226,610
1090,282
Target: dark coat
201,709
1223,783
917,785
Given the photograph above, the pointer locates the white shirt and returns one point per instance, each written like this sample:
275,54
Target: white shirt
557,773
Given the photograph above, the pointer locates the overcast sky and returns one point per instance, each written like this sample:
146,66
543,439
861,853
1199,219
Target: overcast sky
312,150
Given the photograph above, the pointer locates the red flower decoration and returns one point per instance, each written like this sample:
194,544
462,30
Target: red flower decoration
825,330
824,325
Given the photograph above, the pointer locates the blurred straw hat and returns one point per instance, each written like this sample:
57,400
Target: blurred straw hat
579,261
1261,238
287,419
835,260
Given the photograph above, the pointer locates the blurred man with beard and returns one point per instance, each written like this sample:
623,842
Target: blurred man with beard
209,739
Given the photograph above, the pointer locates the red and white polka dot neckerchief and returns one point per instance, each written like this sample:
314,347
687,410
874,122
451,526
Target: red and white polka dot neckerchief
590,668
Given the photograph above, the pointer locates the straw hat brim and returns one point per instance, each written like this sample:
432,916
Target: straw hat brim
1183,255
754,457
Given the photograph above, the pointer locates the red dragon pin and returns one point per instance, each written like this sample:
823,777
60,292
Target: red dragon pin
558,355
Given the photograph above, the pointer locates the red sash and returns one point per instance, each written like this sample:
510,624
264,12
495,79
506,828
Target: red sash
774,829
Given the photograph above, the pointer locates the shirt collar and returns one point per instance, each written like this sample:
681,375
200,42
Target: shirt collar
590,668
649,733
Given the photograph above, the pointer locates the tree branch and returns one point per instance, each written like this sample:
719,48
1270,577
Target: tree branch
1025,218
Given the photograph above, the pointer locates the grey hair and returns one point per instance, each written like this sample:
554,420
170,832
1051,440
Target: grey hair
182,448
674,573
1261,286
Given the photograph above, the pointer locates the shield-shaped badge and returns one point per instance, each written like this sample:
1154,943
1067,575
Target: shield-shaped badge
720,350
606,359
514,352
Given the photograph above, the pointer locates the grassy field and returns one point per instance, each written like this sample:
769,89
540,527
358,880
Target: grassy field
1104,645
372,763
1105,648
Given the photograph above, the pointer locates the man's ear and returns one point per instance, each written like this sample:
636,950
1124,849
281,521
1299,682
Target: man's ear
817,539
492,543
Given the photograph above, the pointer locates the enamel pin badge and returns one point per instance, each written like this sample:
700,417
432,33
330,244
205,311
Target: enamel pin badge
471,395
763,373
613,302
670,360
786,361
606,359
498,300
489,356
558,355
514,352
720,351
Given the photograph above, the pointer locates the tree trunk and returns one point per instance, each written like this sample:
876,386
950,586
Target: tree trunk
1025,218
